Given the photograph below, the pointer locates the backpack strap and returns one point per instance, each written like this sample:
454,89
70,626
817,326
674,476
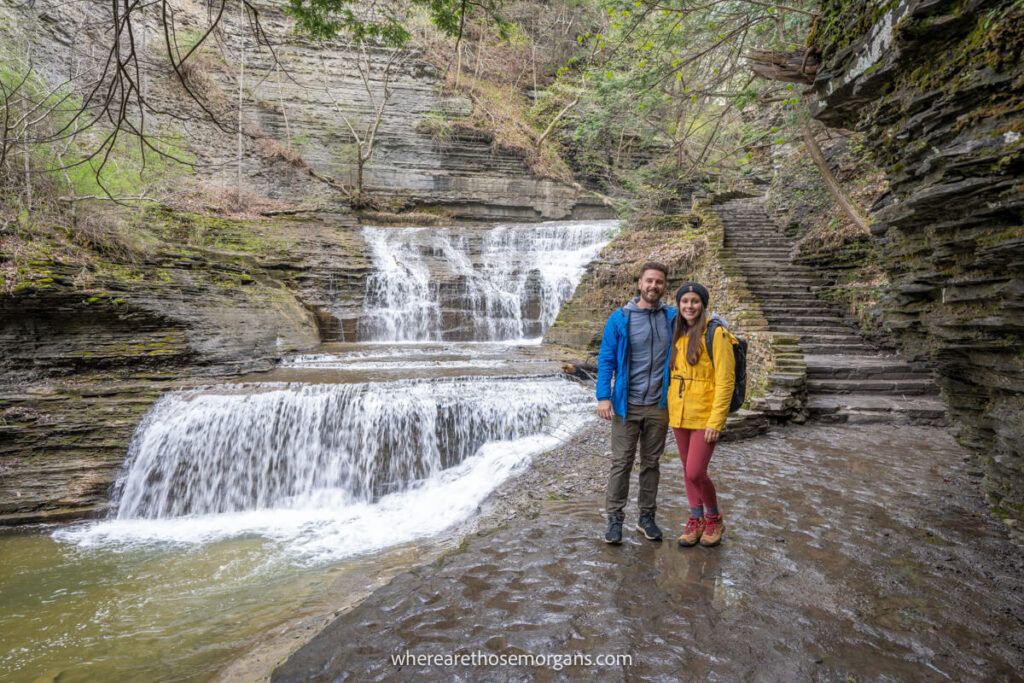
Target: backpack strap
709,339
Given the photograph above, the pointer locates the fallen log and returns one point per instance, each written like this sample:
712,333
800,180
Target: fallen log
580,370
798,66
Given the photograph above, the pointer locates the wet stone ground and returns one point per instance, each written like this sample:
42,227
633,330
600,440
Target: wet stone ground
851,553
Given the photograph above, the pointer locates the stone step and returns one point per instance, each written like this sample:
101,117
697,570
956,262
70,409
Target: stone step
861,367
819,308
850,349
775,270
796,298
821,339
830,329
786,318
868,408
907,387
760,263
768,272
780,283
783,280
803,299
783,293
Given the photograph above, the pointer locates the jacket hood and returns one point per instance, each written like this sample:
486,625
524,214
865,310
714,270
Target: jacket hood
721,321
632,306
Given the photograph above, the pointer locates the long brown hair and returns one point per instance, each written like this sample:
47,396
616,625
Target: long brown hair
693,334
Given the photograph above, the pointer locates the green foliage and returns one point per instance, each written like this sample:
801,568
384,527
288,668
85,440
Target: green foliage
386,23
672,74
438,126
67,156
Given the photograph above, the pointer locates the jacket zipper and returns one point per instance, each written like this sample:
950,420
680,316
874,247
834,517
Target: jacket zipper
650,370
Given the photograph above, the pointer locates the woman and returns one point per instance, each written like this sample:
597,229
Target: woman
698,404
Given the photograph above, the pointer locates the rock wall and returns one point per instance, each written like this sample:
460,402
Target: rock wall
936,86
295,102
87,349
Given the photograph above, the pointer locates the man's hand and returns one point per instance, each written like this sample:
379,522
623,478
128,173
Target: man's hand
604,410
711,435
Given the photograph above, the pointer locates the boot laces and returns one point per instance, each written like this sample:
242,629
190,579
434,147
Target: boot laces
711,525
692,525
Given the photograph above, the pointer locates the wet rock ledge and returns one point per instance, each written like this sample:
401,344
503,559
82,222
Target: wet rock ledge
821,575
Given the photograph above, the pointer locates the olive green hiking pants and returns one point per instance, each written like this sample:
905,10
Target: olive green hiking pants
646,426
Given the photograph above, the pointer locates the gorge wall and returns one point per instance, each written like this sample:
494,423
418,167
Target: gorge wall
296,95
87,347
937,87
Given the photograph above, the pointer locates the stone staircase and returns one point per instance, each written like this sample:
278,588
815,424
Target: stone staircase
848,378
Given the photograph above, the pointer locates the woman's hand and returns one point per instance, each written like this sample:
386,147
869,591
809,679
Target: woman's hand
711,435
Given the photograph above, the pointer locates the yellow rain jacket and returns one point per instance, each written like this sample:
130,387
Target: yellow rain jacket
699,395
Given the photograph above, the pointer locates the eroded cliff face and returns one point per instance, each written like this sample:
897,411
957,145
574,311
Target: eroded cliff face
938,90
299,98
88,347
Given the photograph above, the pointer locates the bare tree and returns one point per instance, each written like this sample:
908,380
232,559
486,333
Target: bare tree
377,77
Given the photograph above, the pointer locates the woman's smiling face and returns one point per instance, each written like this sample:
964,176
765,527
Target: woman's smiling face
690,307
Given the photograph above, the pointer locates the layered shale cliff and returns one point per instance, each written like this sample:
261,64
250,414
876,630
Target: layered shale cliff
297,100
88,346
937,87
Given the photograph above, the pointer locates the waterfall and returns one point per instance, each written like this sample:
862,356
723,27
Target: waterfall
342,461
295,446
501,283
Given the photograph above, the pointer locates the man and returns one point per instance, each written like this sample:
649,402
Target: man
632,377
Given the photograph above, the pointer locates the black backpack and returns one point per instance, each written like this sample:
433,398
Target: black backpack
739,351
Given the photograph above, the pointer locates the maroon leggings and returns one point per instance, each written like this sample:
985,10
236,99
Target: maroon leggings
695,454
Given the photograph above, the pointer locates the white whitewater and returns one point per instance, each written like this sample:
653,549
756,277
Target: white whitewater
331,470
203,453
506,282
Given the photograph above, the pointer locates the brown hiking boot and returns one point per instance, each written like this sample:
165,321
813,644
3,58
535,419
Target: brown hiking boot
692,532
713,528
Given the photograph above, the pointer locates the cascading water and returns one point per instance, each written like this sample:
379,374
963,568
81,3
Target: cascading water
505,282
296,446
334,460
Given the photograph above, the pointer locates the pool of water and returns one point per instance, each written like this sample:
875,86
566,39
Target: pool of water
161,611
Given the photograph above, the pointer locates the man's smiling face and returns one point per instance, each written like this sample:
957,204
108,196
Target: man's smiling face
652,286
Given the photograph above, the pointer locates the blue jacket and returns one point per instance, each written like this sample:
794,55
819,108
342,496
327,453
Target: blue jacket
613,361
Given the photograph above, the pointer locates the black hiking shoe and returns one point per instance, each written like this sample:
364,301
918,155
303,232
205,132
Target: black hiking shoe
613,534
647,526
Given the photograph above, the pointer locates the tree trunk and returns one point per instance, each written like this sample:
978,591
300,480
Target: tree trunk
834,188
241,83
360,162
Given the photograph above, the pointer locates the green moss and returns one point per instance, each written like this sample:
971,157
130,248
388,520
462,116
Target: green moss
211,232
33,284
119,272
842,23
